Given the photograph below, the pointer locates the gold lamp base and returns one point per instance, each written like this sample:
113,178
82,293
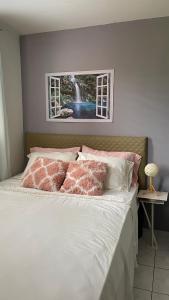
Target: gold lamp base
151,187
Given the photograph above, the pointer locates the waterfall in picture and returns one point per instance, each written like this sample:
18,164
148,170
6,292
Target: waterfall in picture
77,90
78,96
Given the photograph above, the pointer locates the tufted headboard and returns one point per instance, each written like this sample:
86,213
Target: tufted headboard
108,143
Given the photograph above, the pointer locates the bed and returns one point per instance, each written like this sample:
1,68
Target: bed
57,246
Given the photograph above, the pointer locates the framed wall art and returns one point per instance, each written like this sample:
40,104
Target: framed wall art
85,96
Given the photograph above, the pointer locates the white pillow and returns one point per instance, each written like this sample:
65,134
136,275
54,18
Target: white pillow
65,156
119,176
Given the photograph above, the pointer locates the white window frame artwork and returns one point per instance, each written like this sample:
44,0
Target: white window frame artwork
54,98
104,96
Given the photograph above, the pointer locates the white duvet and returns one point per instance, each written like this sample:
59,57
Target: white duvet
56,247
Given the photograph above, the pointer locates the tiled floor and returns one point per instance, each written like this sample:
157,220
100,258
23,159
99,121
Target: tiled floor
152,274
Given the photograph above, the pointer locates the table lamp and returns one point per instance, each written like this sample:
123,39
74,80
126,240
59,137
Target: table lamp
151,171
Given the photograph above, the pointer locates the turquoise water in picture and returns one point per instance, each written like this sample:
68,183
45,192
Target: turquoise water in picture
82,110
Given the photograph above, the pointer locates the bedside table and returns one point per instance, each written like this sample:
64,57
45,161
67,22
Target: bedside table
152,198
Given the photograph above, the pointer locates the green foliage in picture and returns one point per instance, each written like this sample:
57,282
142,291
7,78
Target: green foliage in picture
87,88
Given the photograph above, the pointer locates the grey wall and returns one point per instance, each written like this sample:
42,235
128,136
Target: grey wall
139,53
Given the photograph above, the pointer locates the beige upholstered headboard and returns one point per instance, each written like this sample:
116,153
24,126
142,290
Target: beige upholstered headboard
108,143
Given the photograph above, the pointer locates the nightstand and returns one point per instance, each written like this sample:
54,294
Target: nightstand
152,198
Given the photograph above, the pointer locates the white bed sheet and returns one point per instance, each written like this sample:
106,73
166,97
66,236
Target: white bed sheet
58,246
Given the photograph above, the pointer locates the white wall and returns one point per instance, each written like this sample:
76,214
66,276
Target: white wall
10,51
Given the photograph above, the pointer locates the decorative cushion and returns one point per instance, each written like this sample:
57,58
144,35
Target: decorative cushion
85,178
65,156
133,157
119,171
45,174
42,149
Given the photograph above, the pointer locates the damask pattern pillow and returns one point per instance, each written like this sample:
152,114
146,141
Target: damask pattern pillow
85,178
45,174
64,156
119,170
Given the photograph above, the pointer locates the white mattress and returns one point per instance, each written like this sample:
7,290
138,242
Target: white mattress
58,246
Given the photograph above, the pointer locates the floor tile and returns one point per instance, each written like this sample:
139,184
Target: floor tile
159,297
162,240
162,259
146,256
141,294
161,236
161,233
147,234
161,281
144,244
143,277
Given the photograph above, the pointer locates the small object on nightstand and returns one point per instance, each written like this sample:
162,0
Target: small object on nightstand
151,170
145,196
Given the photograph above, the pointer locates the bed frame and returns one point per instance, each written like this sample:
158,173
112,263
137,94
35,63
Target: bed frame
108,143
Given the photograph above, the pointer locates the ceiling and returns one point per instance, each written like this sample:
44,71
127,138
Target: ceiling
33,16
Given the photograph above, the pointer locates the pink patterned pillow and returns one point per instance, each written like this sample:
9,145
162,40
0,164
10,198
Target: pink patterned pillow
45,174
134,157
85,178
40,149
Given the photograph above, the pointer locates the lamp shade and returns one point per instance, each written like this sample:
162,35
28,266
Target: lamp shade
151,170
